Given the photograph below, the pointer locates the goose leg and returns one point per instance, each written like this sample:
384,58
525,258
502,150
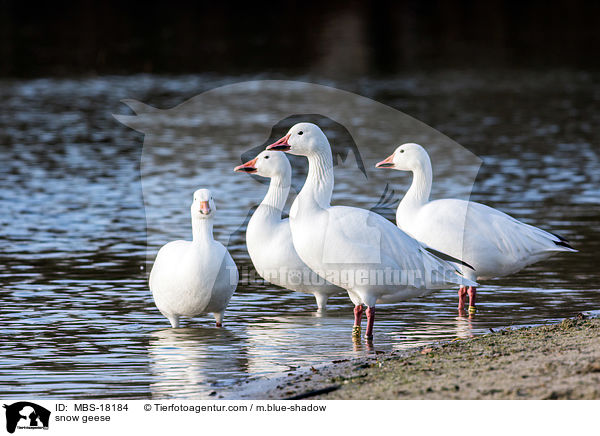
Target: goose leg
321,301
462,296
219,318
174,320
370,322
472,291
358,312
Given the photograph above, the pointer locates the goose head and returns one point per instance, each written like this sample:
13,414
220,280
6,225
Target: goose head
267,164
407,157
303,139
203,205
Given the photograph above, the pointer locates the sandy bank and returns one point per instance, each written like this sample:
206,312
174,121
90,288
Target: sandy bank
560,361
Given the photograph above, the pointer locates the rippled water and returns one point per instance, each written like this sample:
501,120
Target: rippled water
78,318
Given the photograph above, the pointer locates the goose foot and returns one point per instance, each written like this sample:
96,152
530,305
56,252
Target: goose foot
462,296
370,322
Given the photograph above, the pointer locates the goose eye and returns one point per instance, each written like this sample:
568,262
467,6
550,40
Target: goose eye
266,157
300,132
401,151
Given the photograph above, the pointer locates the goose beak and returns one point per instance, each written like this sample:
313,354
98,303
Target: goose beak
248,167
204,208
388,162
281,145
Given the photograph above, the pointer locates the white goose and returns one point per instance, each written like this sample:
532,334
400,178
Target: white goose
189,278
353,248
492,242
269,238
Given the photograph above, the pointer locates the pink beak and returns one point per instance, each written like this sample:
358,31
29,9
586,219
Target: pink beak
249,167
388,162
204,207
281,145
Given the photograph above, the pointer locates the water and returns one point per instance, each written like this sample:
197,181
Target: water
78,318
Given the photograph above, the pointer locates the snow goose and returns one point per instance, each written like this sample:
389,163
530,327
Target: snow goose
354,248
269,238
492,242
189,278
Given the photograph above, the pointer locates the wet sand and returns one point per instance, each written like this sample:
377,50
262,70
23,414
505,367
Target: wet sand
559,361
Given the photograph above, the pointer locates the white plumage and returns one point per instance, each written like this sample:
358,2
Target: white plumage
189,278
269,237
492,242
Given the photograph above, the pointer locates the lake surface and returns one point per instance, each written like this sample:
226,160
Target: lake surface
79,188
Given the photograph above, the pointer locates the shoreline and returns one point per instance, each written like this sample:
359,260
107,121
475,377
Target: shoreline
553,361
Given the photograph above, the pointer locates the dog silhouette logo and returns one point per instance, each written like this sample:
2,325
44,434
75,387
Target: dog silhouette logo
26,415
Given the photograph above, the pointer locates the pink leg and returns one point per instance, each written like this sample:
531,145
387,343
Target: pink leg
472,291
358,313
462,296
370,322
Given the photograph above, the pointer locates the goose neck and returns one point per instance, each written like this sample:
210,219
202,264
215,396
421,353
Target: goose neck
274,201
202,230
420,189
319,181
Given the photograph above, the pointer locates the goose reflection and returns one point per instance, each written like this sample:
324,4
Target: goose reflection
464,326
189,362
283,343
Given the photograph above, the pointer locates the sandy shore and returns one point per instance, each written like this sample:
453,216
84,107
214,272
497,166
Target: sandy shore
560,361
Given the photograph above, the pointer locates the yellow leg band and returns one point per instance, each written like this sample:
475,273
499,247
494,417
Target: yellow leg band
356,330
472,309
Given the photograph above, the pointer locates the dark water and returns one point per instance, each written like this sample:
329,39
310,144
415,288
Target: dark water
78,318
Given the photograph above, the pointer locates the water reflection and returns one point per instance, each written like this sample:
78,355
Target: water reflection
284,342
192,363
464,326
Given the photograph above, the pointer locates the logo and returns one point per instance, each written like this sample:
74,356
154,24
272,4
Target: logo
26,415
